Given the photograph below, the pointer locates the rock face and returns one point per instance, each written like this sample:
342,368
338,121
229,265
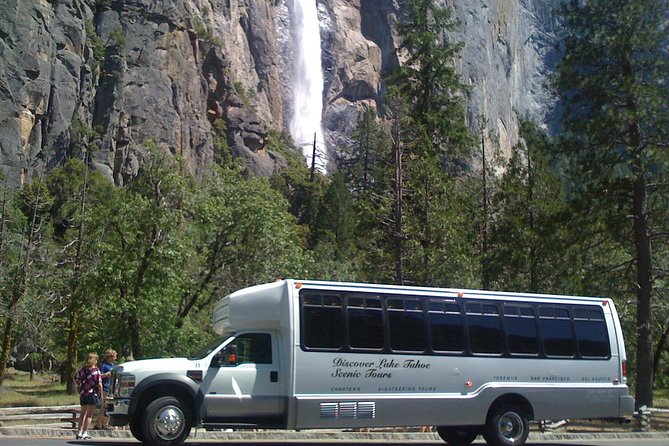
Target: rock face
507,57
126,74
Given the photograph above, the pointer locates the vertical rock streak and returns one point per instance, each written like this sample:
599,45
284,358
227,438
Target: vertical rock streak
307,84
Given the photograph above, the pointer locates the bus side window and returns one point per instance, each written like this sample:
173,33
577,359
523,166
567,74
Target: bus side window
446,328
591,334
365,322
322,321
254,348
407,325
485,328
556,332
521,330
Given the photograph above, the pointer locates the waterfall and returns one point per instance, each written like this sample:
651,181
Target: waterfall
307,80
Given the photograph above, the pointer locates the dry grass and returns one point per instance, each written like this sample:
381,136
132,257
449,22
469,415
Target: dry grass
44,390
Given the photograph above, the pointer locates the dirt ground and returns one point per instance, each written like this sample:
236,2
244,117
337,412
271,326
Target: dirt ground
659,422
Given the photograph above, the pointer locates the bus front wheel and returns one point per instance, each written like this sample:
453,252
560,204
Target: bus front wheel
166,422
136,429
458,435
507,425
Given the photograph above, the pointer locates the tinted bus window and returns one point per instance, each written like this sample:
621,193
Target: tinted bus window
446,330
322,321
254,348
556,332
485,329
407,325
591,334
365,323
521,330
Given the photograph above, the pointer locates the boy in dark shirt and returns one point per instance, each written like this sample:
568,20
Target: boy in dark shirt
106,369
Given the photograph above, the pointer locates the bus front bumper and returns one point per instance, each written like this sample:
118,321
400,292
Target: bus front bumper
117,410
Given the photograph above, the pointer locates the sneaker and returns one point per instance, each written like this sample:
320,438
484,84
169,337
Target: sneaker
85,436
78,437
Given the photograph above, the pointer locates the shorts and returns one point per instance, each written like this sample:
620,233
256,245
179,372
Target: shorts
89,400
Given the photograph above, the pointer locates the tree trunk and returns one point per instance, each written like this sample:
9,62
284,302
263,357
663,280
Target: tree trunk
71,363
2,220
427,233
73,326
644,313
659,349
6,347
135,341
485,274
399,191
534,281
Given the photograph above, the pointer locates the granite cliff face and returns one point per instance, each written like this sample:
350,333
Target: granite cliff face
121,73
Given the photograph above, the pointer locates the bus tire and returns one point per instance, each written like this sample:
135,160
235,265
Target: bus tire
507,425
166,422
458,435
136,429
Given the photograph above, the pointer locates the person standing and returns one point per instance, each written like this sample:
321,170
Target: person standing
90,388
106,370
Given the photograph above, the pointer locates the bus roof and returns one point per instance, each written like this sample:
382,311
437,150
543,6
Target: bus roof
447,292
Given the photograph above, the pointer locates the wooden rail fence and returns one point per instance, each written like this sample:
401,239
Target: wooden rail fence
21,416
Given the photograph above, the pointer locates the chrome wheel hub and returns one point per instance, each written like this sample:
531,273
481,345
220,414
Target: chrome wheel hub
169,422
511,426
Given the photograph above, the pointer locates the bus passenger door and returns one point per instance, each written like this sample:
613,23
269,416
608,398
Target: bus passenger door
243,383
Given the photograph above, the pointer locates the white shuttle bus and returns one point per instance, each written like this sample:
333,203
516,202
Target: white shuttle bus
311,354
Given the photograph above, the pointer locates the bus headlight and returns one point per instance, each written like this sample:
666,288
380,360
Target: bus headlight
125,386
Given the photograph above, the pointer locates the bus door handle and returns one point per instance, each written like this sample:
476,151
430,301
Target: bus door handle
274,376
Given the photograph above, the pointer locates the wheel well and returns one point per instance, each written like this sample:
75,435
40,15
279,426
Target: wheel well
512,399
166,389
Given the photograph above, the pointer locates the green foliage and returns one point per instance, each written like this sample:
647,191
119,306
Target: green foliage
426,106
163,242
248,96
367,170
118,38
430,83
294,182
80,137
97,45
613,81
528,233
143,265
204,33
335,220
222,151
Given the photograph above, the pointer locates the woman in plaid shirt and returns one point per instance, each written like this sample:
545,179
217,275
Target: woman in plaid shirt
90,389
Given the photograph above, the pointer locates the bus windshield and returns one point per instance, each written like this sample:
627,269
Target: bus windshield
204,351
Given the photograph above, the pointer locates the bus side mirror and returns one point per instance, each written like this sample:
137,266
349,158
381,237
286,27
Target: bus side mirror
226,357
231,355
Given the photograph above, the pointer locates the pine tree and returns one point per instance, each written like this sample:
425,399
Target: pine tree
613,81
434,135
34,202
367,168
526,243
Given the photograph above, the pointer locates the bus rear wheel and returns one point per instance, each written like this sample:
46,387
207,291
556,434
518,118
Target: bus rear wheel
458,435
507,425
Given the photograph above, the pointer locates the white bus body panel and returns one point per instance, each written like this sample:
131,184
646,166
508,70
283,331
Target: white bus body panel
334,390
